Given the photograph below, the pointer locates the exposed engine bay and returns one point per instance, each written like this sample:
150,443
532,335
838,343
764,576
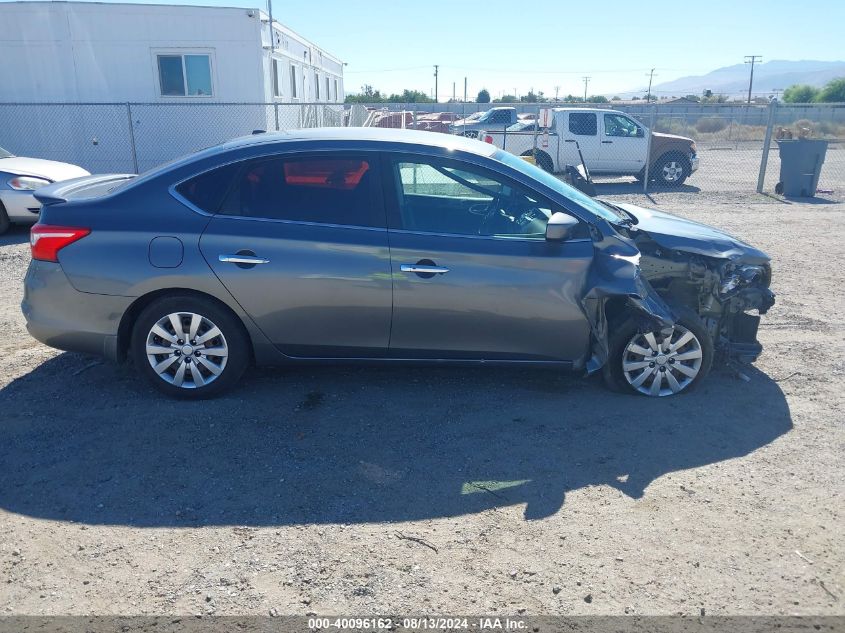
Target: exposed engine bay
660,263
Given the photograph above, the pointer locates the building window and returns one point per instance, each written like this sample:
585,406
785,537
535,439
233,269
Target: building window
292,81
328,94
277,83
336,98
316,87
184,75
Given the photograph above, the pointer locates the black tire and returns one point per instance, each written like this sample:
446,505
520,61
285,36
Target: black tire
543,160
622,334
5,223
675,165
233,338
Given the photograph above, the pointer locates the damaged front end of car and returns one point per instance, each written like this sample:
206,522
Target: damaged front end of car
660,264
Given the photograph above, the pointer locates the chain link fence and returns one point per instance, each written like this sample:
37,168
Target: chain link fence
730,140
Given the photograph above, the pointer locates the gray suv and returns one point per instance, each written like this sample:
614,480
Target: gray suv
341,245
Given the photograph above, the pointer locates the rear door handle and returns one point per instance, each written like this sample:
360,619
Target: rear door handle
417,268
607,141
569,140
250,260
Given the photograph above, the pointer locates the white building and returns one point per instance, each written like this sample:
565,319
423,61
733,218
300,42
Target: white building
109,52
148,83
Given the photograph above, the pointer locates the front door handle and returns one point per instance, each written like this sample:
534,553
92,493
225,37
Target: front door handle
422,269
607,141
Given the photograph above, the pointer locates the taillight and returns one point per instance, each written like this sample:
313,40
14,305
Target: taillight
46,240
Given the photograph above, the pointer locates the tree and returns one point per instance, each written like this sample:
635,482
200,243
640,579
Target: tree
533,97
506,99
616,98
598,99
833,92
367,95
483,96
800,93
570,98
695,98
410,96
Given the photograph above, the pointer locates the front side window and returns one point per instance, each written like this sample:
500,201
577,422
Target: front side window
583,123
437,197
184,75
327,190
618,125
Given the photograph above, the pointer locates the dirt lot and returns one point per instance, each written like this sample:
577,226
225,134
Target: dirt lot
352,491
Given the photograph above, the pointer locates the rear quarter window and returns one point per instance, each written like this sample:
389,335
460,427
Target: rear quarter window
207,190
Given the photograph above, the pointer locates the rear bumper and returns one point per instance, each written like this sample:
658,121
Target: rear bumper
60,316
21,206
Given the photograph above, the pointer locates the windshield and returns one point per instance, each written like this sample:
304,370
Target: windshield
5,154
570,193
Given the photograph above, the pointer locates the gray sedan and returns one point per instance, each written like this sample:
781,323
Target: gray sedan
387,246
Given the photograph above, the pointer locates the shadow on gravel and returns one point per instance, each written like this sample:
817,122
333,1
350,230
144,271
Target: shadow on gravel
16,235
619,188
87,442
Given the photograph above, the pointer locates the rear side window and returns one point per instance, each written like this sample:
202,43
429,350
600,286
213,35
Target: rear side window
583,123
207,190
326,190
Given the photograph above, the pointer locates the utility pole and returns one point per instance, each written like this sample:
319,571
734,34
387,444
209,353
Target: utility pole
436,68
557,91
650,77
454,94
272,34
752,59
586,81
465,89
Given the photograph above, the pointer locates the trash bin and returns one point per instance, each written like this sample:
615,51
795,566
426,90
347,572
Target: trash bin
800,165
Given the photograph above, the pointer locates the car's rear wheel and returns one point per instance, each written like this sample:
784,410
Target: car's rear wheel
189,347
651,364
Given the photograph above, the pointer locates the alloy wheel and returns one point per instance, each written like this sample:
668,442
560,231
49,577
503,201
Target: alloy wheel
672,171
656,365
187,350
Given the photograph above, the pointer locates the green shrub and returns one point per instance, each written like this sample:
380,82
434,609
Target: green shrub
710,124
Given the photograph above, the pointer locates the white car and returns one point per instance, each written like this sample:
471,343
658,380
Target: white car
19,177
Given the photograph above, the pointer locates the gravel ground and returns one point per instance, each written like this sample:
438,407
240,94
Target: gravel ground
359,490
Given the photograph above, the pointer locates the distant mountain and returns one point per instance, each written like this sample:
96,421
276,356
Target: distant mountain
733,80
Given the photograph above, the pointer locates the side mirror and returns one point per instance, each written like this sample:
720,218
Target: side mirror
560,226
640,132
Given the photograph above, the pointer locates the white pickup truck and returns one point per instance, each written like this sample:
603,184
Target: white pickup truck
611,143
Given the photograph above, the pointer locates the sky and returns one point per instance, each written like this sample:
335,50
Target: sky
505,46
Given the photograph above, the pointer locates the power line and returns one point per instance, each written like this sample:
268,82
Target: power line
751,59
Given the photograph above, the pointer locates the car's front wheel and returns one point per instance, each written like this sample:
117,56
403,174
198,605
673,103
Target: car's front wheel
671,171
189,347
651,364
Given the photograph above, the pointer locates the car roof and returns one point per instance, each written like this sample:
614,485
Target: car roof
370,139
368,135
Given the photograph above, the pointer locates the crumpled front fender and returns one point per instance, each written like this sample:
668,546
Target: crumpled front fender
615,273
